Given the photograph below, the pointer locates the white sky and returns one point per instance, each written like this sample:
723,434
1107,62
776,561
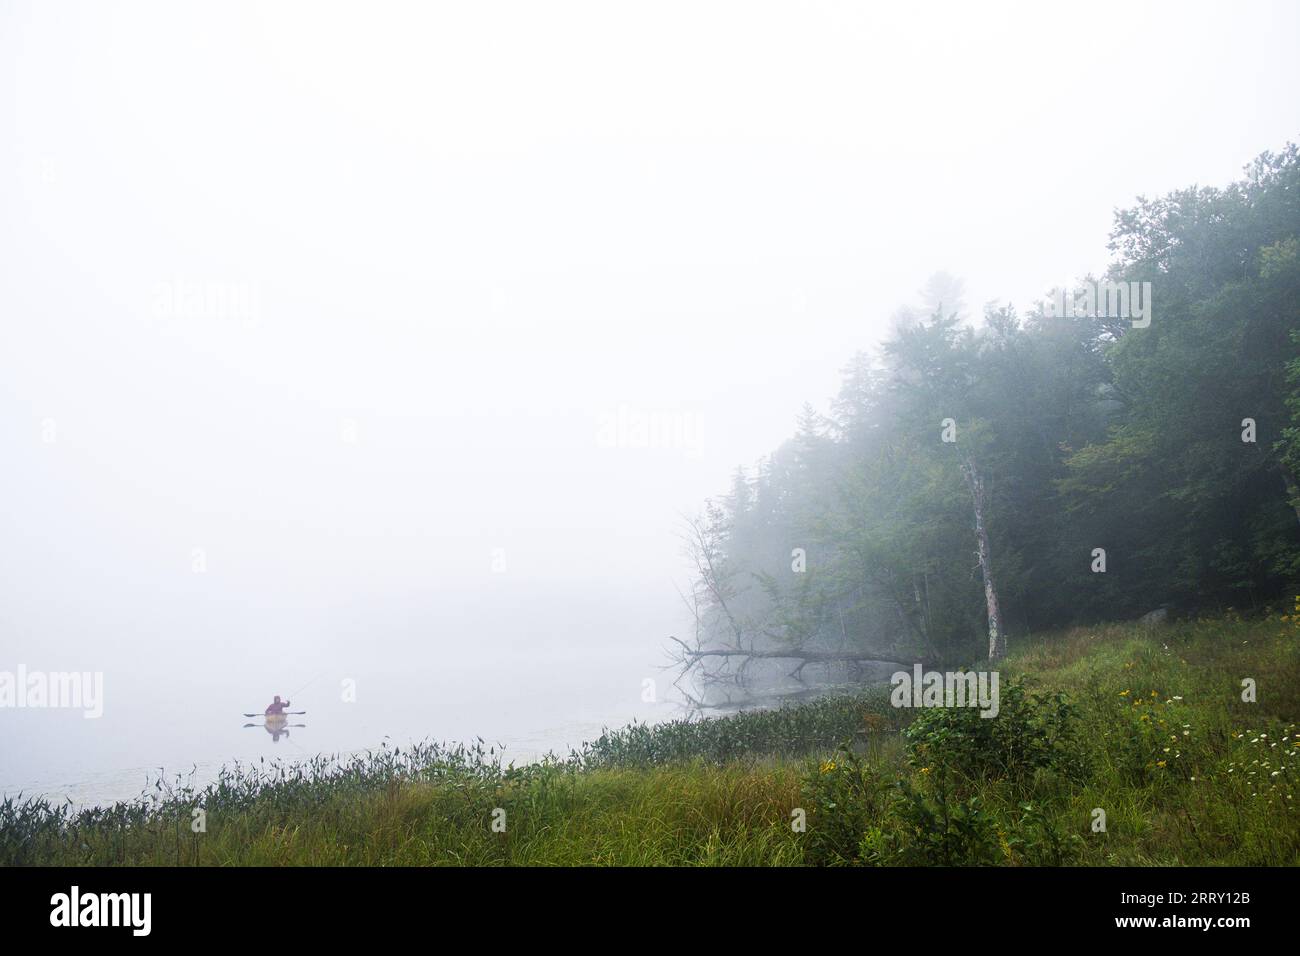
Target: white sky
473,229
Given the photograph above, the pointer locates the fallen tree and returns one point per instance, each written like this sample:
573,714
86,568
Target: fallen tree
724,639
688,659
794,654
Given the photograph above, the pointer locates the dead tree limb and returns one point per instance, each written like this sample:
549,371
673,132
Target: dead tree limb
791,654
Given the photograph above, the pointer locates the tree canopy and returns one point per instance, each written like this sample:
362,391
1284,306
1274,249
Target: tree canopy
1113,468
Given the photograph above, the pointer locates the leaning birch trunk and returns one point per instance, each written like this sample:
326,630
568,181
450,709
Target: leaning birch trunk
997,638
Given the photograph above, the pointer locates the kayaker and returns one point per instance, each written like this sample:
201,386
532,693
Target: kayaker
277,706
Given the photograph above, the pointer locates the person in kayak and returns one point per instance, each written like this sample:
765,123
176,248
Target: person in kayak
277,706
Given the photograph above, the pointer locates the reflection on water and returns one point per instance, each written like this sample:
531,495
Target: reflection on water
154,730
538,677
290,743
277,725
340,730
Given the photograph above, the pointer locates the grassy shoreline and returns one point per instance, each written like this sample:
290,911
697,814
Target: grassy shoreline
1146,725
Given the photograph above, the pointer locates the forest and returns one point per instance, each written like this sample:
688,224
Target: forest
1099,496
1093,459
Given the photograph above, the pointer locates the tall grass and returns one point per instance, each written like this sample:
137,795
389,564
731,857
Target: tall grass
1185,771
783,731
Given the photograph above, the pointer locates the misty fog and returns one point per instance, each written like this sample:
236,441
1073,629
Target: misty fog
391,344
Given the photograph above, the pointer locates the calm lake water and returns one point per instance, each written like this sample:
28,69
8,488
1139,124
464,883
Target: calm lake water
535,677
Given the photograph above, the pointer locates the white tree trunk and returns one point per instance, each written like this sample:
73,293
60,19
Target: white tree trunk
997,637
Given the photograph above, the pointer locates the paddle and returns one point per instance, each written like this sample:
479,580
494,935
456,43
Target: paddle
286,713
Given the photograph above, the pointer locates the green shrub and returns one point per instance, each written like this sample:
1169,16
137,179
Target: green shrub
845,797
1038,840
932,829
1031,731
